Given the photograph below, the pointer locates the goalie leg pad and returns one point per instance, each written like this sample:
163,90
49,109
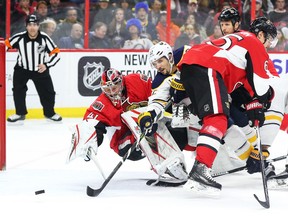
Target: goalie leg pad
177,169
161,151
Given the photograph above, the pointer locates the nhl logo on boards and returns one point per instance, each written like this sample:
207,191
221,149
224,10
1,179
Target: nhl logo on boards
90,69
92,74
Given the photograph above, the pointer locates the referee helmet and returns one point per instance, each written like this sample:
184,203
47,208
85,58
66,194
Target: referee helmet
32,18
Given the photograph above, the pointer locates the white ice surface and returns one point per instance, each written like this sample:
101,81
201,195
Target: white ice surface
36,160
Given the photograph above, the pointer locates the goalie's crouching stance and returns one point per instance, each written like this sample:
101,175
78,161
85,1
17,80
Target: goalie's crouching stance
110,115
119,94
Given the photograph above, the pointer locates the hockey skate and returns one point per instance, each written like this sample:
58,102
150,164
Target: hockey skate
16,118
201,181
279,181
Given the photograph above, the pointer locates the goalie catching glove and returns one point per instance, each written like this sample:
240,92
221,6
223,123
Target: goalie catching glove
253,162
146,123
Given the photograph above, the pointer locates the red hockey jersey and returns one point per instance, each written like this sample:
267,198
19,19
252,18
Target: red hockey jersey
240,58
137,90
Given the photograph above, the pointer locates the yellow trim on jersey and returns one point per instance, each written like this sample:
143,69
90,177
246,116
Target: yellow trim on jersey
273,117
176,85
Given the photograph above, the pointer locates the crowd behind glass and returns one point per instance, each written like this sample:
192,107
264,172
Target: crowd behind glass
132,24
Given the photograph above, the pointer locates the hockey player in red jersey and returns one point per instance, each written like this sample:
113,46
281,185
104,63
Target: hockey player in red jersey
119,94
209,73
229,21
167,87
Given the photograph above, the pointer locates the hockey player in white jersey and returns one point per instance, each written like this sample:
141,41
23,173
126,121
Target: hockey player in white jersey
169,87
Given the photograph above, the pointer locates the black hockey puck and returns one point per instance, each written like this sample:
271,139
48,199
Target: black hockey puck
39,192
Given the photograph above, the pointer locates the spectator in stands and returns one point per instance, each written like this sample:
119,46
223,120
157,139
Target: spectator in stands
104,13
177,13
188,37
154,13
246,18
266,6
117,31
49,26
127,6
212,18
192,8
97,38
198,27
148,28
64,27
282,36
22,9
216,33
42,10
75,40
56,10
161,29
136,42
280,14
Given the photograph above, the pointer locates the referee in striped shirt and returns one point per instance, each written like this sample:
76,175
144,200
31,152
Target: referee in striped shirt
36,54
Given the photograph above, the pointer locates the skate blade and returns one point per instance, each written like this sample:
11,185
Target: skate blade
201,189
52,121
17,123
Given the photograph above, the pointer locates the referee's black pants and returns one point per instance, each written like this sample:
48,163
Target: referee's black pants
43,84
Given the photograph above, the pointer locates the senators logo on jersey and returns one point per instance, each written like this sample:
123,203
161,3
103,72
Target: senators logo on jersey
98,105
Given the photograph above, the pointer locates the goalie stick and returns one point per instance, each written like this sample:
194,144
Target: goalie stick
95,192
92,155
266,203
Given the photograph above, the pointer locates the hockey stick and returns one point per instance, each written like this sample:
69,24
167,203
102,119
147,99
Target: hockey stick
95,192
266,203
95,160
244,167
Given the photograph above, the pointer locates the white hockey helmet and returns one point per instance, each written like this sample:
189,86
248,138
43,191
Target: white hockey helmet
159,50
112,85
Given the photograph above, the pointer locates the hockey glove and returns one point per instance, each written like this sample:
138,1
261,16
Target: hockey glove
136,155
253,162
255,111
146,123
100,131
267,98
240,96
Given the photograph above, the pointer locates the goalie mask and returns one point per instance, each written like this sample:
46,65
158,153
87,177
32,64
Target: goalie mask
267,27
112,85
159,50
